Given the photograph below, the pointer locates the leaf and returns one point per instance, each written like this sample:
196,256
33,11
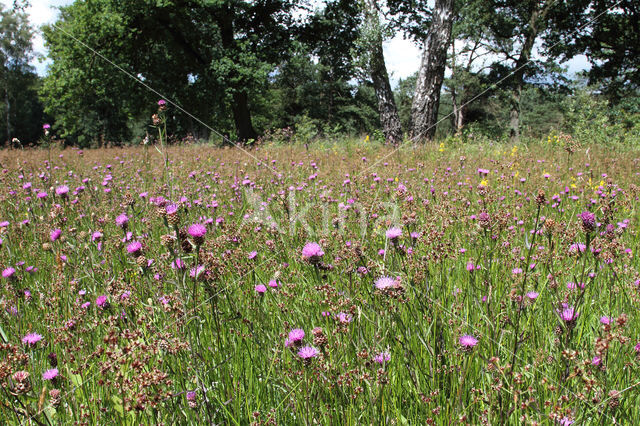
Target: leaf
76,379
117,404
50,413
4,336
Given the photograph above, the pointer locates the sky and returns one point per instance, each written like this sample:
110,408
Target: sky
402,56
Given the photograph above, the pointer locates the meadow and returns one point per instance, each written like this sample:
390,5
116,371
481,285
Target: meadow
339,284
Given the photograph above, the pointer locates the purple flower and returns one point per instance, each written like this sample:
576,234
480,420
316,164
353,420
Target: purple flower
134,248
382,357
384,282
260,289
178,264
532,295
588,221
171,209
191,396
197,230
96,236
46,126
393,233
295,337
62,191
162,103
307,352
273,283
569,314
122,221
577,248
55,234
252,255
312,252
31,339
8,273
50,374
101,301
344,318
196,272
605,320
467,341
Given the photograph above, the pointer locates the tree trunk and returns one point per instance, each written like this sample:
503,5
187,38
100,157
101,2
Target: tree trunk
537,15
459,110
391,126
424,110
242,117
240,105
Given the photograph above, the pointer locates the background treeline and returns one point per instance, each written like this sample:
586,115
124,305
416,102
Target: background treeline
290,71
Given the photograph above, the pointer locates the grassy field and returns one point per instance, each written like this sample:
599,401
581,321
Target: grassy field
336,285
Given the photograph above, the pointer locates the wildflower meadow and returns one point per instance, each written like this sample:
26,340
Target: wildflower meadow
438,284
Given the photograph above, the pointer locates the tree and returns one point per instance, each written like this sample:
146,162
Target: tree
213,67
426,100
608,33
510,30
372,36
16,75
430,26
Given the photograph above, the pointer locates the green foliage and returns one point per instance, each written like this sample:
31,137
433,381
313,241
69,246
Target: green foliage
20,110
592,119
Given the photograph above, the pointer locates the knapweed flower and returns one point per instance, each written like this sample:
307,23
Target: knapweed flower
605,320
31,339
273,284
197,232
102,301
384,282
577,248
50,374
8,273
122,221
308,352
382,357
295,337
344,318
62,191
196,272
393,233
588,221
55,234
568,315
532,295
191,399
260,289
134,248
312,252
468,342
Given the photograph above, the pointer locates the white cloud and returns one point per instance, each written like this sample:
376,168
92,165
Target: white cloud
40,12
402,58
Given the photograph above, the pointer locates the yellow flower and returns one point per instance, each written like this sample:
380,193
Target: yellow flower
366,139
484,182
441,147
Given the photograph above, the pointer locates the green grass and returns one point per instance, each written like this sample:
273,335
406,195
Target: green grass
134,361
